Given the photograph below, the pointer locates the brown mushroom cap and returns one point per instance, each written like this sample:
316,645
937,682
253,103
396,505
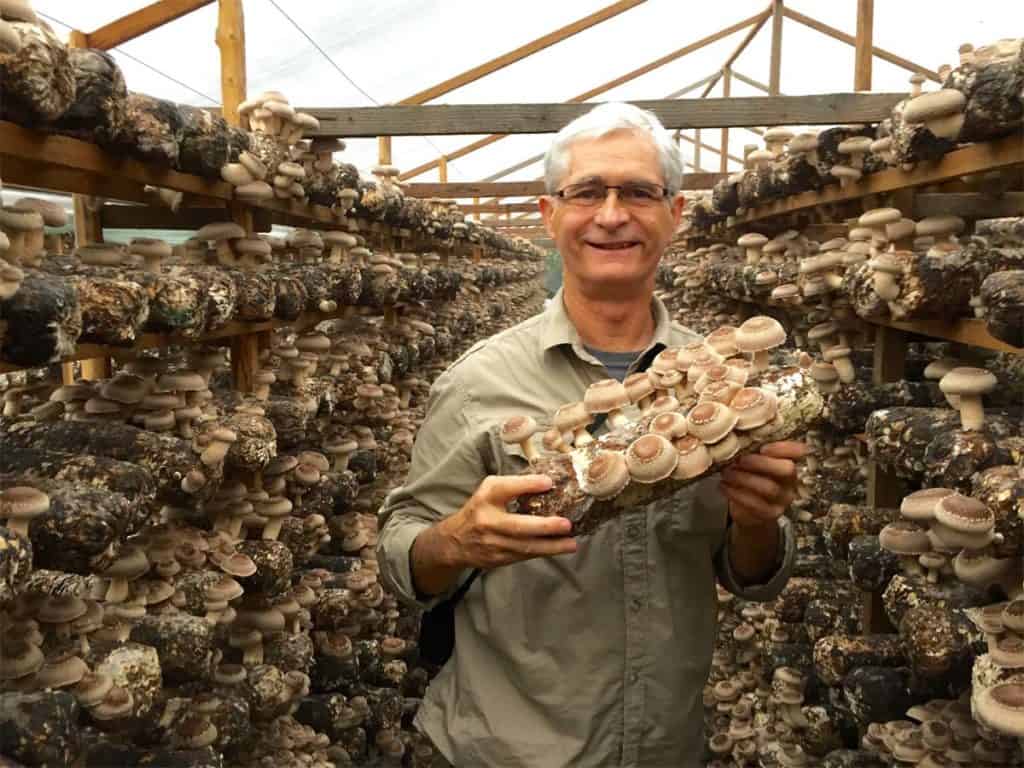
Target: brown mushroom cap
963,514
650,458
605,396
966,380
753,407
759,333
904,537
606,475
670,424
20,504
19,658
516,429
919,506
711,421
1001,708
61,672
693,458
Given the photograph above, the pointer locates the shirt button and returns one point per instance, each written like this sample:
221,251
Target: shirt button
634,677
637,604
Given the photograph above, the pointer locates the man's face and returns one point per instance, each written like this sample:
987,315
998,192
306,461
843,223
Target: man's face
611,249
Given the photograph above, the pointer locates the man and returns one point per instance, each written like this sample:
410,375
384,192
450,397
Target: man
589,652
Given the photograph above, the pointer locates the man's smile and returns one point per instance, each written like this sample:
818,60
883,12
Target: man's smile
616,245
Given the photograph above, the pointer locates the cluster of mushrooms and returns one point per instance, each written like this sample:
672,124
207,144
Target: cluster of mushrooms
924,126
188,573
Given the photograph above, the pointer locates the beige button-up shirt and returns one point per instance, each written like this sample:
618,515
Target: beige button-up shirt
596,658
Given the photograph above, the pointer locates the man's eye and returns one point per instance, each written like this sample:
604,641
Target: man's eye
640,193
587,193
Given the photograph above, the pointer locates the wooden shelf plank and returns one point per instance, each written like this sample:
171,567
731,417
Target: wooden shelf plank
970,331
459,119
974,158
86,351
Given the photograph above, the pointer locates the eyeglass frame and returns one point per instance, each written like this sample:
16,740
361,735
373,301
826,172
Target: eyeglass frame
666,192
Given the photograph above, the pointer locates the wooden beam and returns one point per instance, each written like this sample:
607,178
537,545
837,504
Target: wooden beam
863,45
723,155
986,156
775,62
467,189
751,34
185,219
442,169
593,92
968,205
499,208
454,119
140,22
842,37
763,87
231,42
520,53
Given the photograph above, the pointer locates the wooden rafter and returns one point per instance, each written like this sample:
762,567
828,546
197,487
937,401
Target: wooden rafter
520,53
140,22
863,44
448,119
487,141
842,37
775,60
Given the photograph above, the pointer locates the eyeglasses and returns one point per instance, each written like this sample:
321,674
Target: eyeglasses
635,194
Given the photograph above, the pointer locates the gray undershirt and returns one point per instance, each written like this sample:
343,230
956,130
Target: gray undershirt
616,363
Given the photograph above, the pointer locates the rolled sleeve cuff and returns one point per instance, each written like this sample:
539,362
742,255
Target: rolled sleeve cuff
394,551
770,589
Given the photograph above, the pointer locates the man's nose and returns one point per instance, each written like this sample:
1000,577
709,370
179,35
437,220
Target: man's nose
612,212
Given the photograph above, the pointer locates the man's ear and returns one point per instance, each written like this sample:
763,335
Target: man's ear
678,205
548,210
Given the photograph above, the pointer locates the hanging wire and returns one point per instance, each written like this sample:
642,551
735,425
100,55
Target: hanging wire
342,72
137,60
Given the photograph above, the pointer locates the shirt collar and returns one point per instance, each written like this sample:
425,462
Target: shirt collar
558,328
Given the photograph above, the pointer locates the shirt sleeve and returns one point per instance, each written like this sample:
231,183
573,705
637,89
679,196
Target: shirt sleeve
773,586
448,463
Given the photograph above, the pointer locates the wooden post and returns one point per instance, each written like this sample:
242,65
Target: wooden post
245,360
476,201
864,45
696,149
88,230
775,65
384,150
442,169
723,159
231,42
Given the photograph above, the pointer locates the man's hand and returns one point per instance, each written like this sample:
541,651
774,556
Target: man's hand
760,486
484,534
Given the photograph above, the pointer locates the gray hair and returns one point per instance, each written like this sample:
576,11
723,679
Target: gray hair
603,120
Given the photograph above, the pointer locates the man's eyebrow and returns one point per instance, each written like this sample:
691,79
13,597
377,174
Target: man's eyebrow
589,180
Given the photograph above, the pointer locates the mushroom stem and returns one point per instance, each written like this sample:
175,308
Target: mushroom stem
529,450
972,413
272,529
761,361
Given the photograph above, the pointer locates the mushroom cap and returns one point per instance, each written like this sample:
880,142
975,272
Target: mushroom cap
879,217
20,220
711,421
904,537
855,145
723,340
887,263
693,458
1013,616
638,386
844,172
605,395
148,246
61,672
130,564
670,424
61,609
966,380
181,381
919,506
23,502
516,429
650,458
803,142
927,106
938,226
1001,708
118,702
126,388
606,475
751,240
963,514
53,214
571,416
19,658
93,688
834,353
936,369
759,333
824,372
225,230
754,407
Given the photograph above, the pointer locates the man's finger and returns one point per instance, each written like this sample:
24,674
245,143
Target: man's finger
785,449
760,484
501,489
766,465
754,504
529,526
